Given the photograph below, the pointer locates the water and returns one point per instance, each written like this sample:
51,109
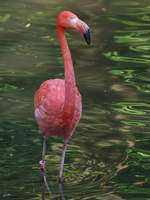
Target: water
108,157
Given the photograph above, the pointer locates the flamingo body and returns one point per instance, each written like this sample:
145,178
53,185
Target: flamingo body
58,102
49,102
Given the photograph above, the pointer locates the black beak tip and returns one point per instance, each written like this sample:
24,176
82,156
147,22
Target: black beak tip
87,36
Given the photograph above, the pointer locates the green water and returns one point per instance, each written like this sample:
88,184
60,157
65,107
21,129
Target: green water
108,157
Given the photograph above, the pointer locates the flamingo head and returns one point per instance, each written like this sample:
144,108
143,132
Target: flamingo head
67,19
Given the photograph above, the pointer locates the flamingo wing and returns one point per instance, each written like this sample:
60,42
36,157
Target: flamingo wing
49,103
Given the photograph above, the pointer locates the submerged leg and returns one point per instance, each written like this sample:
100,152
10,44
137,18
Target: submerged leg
62,162
61,191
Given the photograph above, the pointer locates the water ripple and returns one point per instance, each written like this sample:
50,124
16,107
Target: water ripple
132,108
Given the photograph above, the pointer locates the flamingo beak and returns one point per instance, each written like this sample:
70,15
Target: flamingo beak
87,36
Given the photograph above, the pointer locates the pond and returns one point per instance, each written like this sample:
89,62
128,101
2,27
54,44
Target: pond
108,156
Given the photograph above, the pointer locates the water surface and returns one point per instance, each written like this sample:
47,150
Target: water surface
108,157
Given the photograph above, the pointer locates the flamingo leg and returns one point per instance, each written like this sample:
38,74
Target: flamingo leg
62,162
42,166
44,149
42,162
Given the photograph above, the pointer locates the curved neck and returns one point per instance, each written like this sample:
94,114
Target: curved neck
70,83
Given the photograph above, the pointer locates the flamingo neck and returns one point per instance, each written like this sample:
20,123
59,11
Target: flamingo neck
70,83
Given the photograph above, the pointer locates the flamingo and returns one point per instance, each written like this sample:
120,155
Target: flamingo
57,102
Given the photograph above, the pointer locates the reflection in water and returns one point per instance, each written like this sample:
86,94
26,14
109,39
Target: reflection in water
61,191
44,180
44,187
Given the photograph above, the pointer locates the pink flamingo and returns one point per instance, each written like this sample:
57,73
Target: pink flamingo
57,102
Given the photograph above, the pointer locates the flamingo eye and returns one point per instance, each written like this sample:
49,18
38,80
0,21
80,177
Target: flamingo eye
73,21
